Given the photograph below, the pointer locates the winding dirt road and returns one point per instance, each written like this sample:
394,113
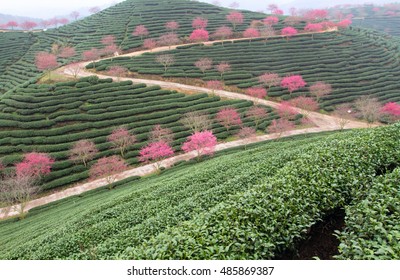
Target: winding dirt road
322,123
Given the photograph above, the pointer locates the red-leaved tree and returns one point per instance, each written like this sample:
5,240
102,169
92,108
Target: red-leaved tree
200,23
199,35
320,89
140,31
228,117
91,55
12,24
392,110
270,79
204,64
202,142
235,18
46,62
83,151
293,83
121,139
313,27
155,152
306,103
344,24
34,165
108,168
28,25
257,114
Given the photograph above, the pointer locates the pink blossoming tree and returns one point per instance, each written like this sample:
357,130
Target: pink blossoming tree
293,83
228,118
202,142
155,152
108,168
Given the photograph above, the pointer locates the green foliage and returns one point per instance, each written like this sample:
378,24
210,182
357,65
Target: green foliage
372,222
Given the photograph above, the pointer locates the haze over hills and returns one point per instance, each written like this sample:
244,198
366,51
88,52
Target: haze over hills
6,18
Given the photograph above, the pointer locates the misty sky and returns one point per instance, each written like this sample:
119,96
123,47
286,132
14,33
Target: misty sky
50,8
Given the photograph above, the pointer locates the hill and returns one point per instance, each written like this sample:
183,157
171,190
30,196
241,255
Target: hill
119,20
355,62
260,206
51,118
6,18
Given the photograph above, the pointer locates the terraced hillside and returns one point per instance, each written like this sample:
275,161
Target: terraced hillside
51,119
355,62
259,206
120,21
388,24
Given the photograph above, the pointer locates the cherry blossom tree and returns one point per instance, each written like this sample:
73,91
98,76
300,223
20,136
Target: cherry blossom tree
199,35
270,80
286,111
343,115
251,33
292,20
320,89
172,26
271,20
306,103
74,69
140,31
223,67
166,60
369,109
34,165
94,10
121,139
392,109
155,152
228,117
277,12
257,114
202,142
272,7
158,134
168,39
316,15
223,33
63,21
91,55
289,32
12,24
344,24
46,62
257,92
108,40
313,27
196,121
149,44
67,52
204,64
16,189
28,25
200,23
75,15
235,18
280,126
214,85
293,83
108,168
247,134
110,50
117,71
83,151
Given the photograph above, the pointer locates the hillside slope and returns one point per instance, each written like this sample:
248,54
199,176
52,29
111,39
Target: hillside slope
119,20
256,207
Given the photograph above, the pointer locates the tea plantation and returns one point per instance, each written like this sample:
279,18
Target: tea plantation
119,20
254,204
51,118
355,62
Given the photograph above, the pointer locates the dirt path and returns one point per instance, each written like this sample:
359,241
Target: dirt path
322,123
